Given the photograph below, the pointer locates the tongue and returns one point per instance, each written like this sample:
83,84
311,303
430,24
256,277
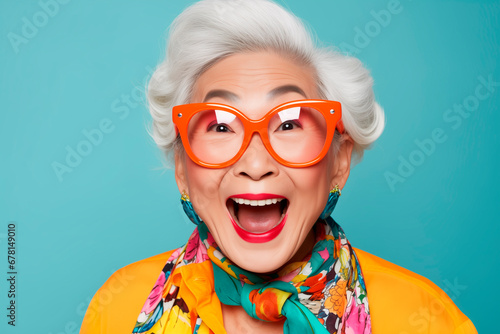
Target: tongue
259,219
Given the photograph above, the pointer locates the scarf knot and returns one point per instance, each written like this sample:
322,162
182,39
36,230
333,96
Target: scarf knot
265,301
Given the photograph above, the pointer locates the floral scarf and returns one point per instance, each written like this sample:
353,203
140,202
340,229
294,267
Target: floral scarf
325,293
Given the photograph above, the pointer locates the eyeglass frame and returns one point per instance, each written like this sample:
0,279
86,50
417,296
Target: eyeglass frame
331,111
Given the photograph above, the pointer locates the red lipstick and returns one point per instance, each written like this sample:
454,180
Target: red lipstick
256,197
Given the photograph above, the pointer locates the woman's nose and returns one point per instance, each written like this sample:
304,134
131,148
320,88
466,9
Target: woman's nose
256,162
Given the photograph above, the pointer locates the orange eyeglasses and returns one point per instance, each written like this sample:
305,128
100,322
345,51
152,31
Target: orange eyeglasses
296,133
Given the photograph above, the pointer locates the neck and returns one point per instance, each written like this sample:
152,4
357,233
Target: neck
304,250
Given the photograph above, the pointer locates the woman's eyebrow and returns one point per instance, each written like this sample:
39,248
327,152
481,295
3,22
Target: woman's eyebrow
285,89
225,94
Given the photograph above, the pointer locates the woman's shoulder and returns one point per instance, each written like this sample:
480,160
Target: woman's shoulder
400,300
117,304
404,302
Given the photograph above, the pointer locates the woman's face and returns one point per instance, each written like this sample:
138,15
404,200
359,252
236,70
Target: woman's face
254,83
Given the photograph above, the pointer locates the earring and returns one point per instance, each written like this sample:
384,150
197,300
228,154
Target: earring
333,197
188,209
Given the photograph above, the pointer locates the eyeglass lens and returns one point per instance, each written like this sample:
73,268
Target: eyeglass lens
296,134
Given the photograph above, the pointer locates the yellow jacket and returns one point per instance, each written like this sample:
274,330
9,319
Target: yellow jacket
425,308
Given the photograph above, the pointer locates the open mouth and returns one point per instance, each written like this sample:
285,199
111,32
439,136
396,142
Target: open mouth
260,215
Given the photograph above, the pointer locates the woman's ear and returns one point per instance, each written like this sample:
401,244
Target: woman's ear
342,163
180,170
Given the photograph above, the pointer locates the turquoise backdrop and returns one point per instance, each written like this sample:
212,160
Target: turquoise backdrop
425,197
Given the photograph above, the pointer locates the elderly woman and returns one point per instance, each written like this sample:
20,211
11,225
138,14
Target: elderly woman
262,125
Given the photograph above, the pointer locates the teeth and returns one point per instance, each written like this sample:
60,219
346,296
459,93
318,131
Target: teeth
257,202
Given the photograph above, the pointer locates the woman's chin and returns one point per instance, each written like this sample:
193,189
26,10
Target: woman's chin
260,258
256,264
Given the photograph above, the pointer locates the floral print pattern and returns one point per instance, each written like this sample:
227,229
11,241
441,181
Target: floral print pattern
325,293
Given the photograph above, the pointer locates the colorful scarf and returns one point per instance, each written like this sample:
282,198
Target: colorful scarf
325,293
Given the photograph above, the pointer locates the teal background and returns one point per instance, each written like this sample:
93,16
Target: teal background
120,205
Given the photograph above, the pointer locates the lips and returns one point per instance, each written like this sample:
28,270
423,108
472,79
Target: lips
257,217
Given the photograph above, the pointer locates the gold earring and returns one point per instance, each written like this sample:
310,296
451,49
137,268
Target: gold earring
187,206
333,197
184,196
336,189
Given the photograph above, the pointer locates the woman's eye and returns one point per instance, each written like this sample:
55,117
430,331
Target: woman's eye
219,128
290,125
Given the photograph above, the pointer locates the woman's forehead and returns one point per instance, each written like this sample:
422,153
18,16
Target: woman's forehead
262,75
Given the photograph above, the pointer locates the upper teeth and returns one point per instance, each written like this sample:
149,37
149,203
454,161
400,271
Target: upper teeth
261,202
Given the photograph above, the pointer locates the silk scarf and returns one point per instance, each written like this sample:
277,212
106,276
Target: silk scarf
324,293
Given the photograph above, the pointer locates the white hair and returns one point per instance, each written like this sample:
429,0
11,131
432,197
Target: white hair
210,30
